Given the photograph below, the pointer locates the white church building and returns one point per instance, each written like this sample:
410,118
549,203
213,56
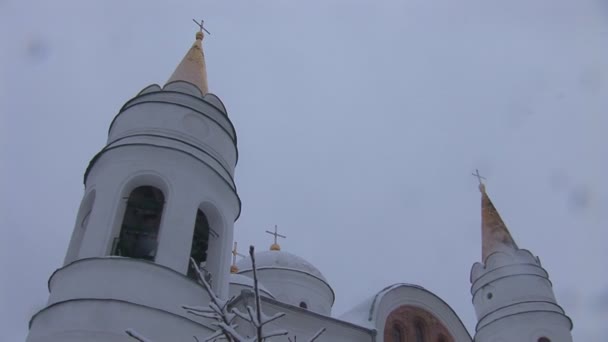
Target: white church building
162,191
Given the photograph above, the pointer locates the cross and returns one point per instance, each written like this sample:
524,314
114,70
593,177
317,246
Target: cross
200,26
276,234
479,177
235,254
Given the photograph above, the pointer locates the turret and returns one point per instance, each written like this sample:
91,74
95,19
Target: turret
161,192
512,293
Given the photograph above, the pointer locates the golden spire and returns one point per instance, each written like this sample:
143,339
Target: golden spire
494,233
275,246
233,268
192,68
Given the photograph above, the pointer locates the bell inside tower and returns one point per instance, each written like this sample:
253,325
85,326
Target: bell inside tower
139,231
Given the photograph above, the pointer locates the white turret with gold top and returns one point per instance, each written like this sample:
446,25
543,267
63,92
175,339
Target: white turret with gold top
512,294
158,194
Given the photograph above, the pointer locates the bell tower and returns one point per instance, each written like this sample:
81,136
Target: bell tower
512,294
160,192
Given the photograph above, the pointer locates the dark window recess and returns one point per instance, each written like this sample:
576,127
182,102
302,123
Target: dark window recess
419,332
200,244
544,339
139,231
303,305
397,334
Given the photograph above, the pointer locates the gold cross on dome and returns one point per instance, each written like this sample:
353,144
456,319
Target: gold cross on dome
275,246
233,268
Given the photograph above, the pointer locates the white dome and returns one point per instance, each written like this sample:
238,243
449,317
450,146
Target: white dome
280,260
292,280
239,282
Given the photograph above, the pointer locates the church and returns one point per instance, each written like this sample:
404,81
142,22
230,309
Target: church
162,192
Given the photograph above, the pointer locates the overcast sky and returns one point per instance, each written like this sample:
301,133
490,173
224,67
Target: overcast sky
359,124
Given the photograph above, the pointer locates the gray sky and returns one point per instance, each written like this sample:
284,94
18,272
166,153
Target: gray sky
359,123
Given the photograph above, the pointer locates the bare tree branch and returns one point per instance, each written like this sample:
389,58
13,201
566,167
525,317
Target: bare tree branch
315,336
219,310
266,319
256,291
218,307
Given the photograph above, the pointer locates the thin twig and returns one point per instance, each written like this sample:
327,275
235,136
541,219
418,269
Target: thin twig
315,336
258,305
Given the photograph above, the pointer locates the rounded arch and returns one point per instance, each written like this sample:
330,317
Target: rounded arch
82,220
199,245
146,177
214,216
421,330
376,311
140,225
398,333
133,181
418,324
210,222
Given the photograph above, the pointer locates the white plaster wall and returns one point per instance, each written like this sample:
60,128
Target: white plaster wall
305,324
183,124
239,283
196,122
150,89
82,219
183,87
106,321
510,285
293,287
514,293
514,300
528,326
187,185
132,280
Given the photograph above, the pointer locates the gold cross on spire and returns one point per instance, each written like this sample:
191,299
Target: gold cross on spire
233,268
275,246
482,187
201,27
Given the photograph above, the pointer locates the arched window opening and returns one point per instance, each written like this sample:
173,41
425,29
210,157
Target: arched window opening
200,244
303,305
139,231
397,334
544,339
419,330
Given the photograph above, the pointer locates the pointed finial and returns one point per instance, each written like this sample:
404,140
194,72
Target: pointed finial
495,235
275,246
192,68
233,268
482,187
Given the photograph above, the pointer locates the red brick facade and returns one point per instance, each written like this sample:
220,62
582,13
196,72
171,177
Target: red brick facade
410,321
